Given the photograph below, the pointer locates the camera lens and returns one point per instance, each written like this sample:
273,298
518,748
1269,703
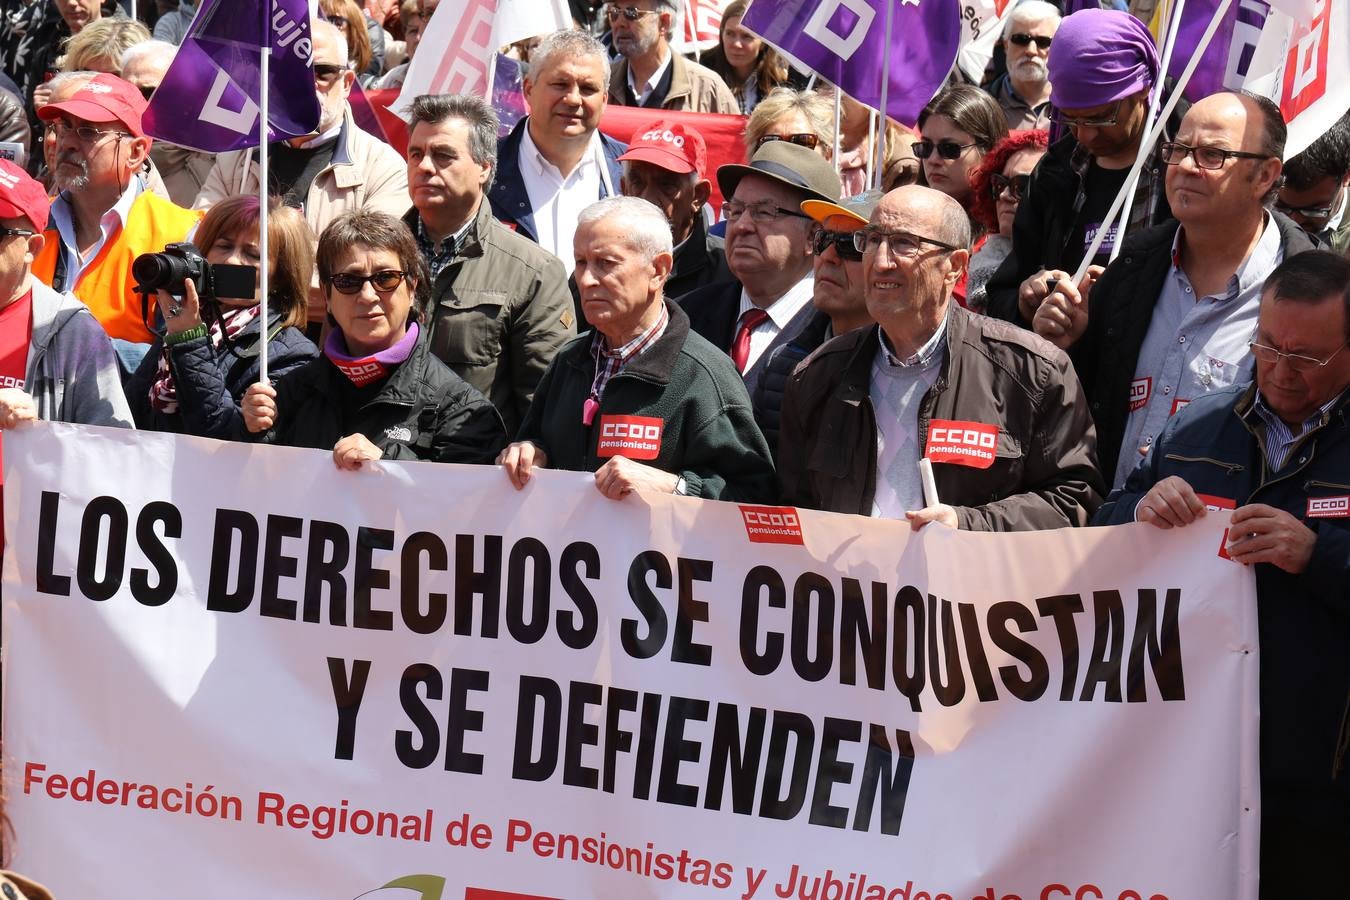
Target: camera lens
160,271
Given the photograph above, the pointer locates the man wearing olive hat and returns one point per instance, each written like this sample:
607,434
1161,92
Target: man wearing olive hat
768,251
1102,67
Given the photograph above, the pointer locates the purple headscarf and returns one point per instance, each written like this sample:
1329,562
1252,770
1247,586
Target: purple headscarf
1098,57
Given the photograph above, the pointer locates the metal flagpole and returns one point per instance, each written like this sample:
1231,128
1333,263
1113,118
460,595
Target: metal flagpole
1151,138
879,148
264,89
1172,23
871,137
838,112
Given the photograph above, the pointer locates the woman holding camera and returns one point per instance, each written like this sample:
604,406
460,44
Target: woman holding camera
377,391
194,376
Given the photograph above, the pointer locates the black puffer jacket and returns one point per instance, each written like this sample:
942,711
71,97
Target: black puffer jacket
421,411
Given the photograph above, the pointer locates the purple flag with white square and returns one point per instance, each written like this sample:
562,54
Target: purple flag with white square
844,41
1226,60
209,99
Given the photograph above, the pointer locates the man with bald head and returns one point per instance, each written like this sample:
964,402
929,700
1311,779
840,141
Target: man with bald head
996,409
1170,319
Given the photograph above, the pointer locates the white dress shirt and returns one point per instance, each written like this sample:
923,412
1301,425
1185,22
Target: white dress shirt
557,199
63,216
780,313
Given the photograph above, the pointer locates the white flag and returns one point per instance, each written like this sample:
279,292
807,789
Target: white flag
460,43
982,24
1302,62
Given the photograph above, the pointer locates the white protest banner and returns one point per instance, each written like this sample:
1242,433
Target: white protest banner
459,44
236,671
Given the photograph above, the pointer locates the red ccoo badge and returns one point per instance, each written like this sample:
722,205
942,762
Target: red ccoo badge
636,437
772,524
963,443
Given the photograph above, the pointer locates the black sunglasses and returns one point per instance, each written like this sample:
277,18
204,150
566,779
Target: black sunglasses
1016,185
1022,39
351,283
821,239
631,13
946,149
809,141
326,72
146,91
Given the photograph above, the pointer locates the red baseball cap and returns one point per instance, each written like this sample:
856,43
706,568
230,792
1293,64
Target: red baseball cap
104,98
21,197
669,145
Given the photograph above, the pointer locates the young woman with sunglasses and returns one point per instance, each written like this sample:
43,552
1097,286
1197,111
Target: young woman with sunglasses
959,127
377,391
193,377
998,184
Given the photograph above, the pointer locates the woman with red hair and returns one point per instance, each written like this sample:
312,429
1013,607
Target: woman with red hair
997,186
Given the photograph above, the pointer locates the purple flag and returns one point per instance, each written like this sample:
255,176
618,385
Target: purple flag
1229,54
844,42
209,97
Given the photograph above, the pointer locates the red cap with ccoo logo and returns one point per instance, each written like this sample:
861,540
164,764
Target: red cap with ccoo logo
669,145
21,197
105,98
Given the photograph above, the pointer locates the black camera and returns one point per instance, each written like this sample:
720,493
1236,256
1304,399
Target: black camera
181,262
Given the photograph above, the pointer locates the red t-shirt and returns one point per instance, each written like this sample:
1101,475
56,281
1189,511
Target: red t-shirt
16,331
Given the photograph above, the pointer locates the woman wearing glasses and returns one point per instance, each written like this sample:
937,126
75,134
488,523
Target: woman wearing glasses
376,391
999,184
196,372
959,127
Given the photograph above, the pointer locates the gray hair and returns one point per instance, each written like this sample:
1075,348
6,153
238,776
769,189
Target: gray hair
645,225
433,109
1030,10
569,43
137,52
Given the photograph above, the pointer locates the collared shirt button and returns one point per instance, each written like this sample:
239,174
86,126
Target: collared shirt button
1182,339
1302,460
1167,390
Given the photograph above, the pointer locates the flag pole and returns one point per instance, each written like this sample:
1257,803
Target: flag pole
1151,138
879,148
838,113
1171,24
264,90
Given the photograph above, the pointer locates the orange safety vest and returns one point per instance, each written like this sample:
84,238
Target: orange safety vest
106,285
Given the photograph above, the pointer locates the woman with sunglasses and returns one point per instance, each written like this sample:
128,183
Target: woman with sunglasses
376,391
999,184
959,127
365,38
195,374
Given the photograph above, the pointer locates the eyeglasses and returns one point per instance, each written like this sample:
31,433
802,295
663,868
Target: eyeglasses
946,149
869,239
1307,212
1090,122
326,73
1022,39
16,232
631,13
760,213
87,134
809,141
1299,363
351,283
335,19
1016,186
842,241
1173,154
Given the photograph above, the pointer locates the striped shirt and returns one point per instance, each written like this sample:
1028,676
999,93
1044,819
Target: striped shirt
609,363
1278,439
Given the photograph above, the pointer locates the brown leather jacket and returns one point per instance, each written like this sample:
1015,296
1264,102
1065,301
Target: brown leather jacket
1044,473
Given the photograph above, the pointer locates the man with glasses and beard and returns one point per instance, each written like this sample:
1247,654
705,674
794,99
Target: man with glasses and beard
1102,66
1170,319
650,73
996,409
103,217
768,250
338,169
1024,90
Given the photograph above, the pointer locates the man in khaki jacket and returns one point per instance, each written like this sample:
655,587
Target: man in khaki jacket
339,169
501,307
650,73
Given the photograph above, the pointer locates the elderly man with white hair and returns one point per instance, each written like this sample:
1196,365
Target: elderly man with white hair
1024,90
183,169
641,400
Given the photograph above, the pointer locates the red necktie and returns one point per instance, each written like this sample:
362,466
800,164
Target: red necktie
740,347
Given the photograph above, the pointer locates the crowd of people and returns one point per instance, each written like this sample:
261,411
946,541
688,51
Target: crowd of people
505,296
